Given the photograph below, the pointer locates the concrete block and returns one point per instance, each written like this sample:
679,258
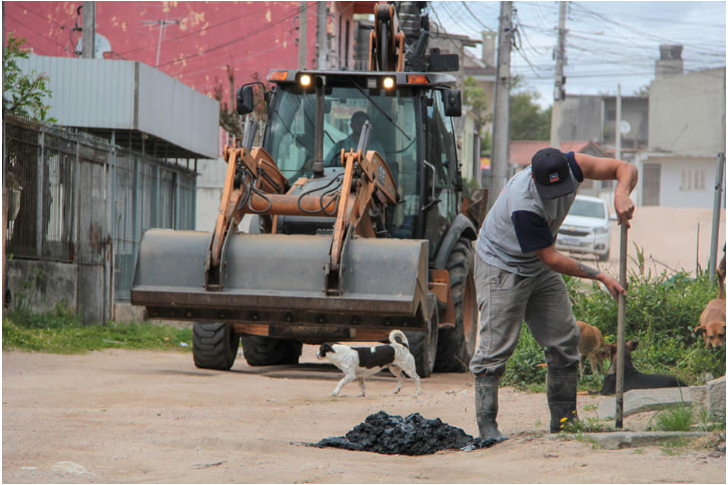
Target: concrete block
711,397
126,312
643,400
41,284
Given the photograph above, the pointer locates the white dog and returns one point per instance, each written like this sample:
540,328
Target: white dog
360,362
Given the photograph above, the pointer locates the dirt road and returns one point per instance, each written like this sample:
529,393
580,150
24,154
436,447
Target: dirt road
131,416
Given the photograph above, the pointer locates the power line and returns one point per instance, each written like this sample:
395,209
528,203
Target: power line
34,30
233,41
204,29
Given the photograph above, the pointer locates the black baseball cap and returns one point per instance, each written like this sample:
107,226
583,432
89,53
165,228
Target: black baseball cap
551,173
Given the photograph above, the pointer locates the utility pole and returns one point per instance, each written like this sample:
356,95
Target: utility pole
501,108
302,27
717,199
559,80
618,125
322,46
88,32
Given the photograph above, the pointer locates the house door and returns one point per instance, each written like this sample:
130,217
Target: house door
651,184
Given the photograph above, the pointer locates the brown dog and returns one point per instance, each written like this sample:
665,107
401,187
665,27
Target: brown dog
712,320
592,346
712,324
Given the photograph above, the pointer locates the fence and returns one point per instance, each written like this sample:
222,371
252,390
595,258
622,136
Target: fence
85,201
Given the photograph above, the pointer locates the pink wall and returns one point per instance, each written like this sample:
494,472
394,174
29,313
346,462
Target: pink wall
253,36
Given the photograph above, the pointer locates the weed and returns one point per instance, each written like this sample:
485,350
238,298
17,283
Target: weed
675,446
61,331
673,418
710,422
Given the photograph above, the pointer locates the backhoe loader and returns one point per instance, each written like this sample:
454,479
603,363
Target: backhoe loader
344,244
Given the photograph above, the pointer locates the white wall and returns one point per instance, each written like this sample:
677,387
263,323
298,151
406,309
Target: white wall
209,191
686,182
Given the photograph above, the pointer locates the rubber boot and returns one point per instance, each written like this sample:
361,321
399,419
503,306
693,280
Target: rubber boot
486,408
561,395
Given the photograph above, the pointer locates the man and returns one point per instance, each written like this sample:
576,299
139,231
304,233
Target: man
518,277
352,141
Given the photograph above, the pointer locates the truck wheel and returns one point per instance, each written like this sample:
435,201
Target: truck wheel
214,345
457,344
259,350
423,345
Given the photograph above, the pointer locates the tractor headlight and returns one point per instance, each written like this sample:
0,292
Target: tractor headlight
388,82
305,80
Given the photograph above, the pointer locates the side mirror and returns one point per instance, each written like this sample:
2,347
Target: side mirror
453,102
244,100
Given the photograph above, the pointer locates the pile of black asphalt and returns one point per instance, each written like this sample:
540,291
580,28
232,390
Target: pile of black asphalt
413,435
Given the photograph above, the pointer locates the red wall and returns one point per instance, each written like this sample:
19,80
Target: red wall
253,36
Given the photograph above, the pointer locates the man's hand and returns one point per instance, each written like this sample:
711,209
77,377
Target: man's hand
563,264
615,289
624,207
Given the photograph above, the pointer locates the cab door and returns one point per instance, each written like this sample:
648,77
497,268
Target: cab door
441,156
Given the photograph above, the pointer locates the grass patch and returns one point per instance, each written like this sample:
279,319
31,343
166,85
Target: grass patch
674,418
62,332
662,312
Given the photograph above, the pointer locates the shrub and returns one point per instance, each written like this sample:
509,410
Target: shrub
661,313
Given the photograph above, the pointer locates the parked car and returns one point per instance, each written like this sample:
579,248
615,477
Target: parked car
586,228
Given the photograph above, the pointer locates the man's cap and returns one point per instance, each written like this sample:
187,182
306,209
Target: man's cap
551,173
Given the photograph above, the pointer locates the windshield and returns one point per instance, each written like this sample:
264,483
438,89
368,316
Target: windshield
290,139
588,208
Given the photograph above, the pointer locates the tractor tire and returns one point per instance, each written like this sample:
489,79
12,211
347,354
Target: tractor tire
214,345
457,344
423,345
259,350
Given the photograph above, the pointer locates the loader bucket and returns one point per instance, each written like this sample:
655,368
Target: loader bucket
276,278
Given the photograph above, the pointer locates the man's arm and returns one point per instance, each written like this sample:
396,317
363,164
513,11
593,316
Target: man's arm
563,264
625,174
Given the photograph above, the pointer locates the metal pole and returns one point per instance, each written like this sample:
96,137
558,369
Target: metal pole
501,109
39,228
621,315
717,198
560,55
159,43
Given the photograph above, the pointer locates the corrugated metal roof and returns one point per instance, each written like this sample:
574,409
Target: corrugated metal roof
135,100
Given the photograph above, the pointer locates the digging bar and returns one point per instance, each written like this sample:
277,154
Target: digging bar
621,314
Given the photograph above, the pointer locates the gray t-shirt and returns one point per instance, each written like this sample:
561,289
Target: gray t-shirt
520,223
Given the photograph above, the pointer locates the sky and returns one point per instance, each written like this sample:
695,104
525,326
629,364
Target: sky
607,43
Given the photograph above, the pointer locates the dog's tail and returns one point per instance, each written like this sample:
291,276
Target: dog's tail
720,271
398,337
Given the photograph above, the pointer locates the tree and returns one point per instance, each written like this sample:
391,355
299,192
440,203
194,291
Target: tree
475,97
229,118
23,94
643,91
528,120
